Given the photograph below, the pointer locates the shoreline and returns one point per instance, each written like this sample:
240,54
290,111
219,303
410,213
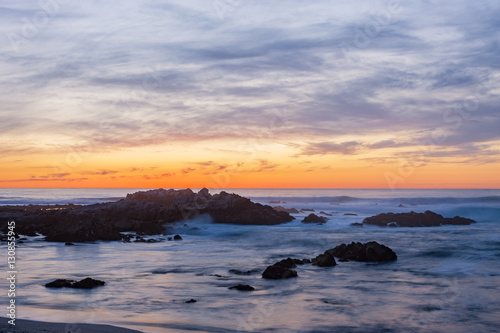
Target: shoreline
34,326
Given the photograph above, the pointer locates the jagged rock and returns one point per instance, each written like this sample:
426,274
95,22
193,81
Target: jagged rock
412,219
192,300
313,218
324,260
243,287
288,210
365,252
87,283
307,210
278,272
60,283
145,213
325,213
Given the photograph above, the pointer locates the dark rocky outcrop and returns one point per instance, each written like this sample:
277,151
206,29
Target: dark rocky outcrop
242,287
192,300
412,219
357,224
60,283
278,272
325,213
145,213
324,260
177,237
313,218
351,214
87,283
365,252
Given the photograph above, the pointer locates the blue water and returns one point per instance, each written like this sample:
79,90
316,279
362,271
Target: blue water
446,279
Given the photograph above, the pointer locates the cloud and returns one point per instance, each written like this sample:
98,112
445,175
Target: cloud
323,148
149,73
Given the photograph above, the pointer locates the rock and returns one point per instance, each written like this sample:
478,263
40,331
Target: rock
243,287
191,301
351,214
365,252
313,218
144,212
324,260
291,262
86,283
307,210
234,209
288,210
60,283
412,219
401,206
325,213
274,202
357,224
68,244
238,272
177,237
278,272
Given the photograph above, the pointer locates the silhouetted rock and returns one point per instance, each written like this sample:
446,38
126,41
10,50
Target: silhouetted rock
351,214
68,244
288,210
191,301
325,213
87,283
243,287
357,224
60,283
412,219
324,260
365,252
278,272
238,272
177,237
307,210
313,218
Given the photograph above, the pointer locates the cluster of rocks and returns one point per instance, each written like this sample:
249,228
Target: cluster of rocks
412,219
363,252
145,212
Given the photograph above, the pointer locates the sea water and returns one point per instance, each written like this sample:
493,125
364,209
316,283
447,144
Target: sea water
446,279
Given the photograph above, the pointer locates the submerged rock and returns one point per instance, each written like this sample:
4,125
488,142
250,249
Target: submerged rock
365,252
60,283
412,219
87,283
192,300
313,218
242,287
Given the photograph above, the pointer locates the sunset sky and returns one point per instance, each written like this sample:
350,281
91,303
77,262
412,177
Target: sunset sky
250,94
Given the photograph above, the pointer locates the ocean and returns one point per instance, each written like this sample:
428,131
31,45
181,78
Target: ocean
446,279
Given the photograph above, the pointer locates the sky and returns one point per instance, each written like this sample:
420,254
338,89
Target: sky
250,94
